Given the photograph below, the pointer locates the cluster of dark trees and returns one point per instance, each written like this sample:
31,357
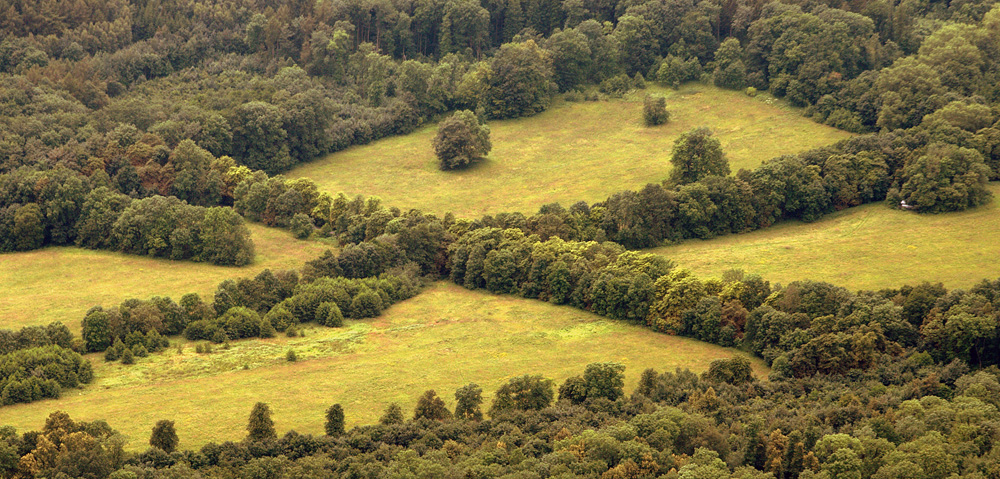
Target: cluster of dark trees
143,99
41,372
906,418
55,333
62,207
243,308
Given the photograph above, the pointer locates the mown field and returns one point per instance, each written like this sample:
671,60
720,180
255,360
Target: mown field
62,283
442,339
571,152
867,247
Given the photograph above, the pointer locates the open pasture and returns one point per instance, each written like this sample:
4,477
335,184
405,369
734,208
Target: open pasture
868,247
571,152
62,283
442,339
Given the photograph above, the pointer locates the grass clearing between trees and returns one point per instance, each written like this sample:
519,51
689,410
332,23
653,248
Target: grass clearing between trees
867,247
442,339
62,283
571,152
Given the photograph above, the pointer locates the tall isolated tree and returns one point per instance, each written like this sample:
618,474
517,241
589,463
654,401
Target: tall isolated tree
260,427
461,140
697,155
164,436
334,420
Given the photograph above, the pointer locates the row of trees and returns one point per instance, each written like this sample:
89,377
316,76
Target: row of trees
41,372
906,418
244,308
62,207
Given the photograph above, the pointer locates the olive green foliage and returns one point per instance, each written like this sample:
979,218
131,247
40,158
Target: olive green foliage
164,436
301,225
599,381
519,81
674,71
945,178
522,393
654,110
730,71
260,427
461,140
697,155
393,415
468,398
334,425
733,371
41,372
432,407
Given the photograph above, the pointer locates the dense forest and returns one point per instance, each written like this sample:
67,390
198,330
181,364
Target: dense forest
157,127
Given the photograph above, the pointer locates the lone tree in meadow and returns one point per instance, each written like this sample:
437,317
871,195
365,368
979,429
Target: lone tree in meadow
261,427
334,420
164,436
461,140
654,110
697,155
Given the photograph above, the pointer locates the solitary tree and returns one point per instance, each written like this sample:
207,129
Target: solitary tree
260,427
164,436
461,140
469,398
697,155
654,110
335,420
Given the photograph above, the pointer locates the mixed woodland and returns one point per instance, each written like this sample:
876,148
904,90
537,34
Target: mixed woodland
159,127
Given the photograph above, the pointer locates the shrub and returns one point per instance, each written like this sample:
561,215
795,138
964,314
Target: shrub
290,356
128,357
654,110
328,314
366,304
616,86
301,225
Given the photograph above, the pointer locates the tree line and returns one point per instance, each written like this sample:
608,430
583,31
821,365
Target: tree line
61,207
906,418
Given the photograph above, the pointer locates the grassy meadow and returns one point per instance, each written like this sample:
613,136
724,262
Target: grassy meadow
868,247
571,152
442,339
62,283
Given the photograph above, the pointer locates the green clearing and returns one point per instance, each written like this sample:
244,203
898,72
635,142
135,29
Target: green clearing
442,339
62,283
868,247
571,152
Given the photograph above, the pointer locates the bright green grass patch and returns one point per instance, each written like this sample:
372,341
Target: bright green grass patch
572,152
62,283
442,339
868,247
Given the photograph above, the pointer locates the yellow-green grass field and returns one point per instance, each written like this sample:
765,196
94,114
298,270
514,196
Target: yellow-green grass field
571,152
62,283
868,247
442,339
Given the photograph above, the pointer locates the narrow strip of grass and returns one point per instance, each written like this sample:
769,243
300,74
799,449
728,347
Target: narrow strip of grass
62,283
571,152
442,339
868,247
